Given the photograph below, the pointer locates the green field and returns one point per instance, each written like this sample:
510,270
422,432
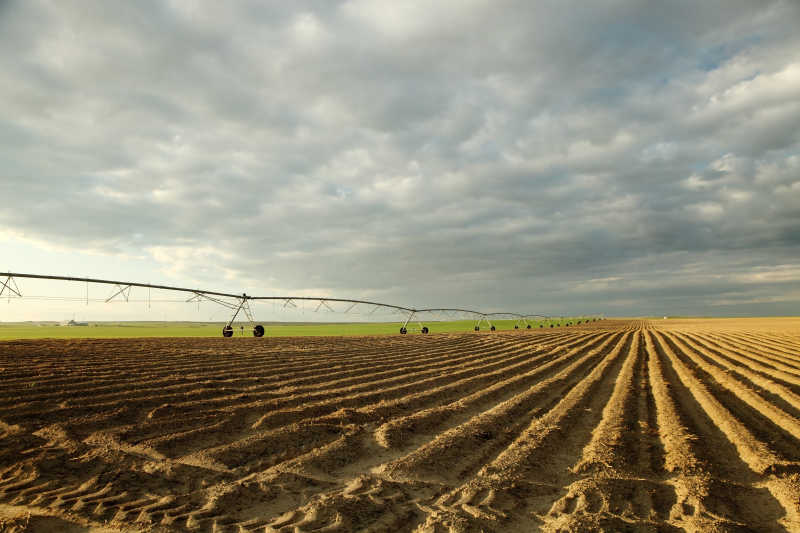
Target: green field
108,330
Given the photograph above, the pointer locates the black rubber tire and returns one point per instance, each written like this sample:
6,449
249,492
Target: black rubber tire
529,326
403,331
477,328
227,331
492,328
258,331
516,327
424,330
551,325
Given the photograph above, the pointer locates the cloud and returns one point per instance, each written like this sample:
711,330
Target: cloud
502,155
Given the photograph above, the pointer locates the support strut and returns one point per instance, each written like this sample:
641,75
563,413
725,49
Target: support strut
244,306
404,328
483,318
7,284
124,290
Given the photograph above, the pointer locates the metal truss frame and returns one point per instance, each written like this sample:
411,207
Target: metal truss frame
7,285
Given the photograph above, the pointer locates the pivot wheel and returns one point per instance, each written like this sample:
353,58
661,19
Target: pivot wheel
227,331
529,326
403,331
258,331
424,330
477,328
516,327
492,328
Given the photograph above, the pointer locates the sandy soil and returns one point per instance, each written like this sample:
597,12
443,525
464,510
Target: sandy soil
662,425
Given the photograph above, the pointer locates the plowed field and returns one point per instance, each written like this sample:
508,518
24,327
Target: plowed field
674,425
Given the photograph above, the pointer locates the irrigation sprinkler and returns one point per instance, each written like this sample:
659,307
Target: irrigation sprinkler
520,321
421,327
534,318
404,327
244,305
239,304
483,319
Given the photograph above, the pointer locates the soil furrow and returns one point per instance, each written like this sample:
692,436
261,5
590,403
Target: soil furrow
776,426
771,389
397,430
772,369
522,484
466,447
754,452
715,488
785,354
336,408
615,425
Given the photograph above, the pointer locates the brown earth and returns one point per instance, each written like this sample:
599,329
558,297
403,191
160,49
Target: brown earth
616,425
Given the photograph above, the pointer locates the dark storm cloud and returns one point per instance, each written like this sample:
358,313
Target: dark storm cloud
616,157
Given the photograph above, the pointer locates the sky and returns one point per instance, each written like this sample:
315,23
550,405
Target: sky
619,157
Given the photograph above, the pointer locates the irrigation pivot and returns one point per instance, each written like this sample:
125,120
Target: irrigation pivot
240,303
